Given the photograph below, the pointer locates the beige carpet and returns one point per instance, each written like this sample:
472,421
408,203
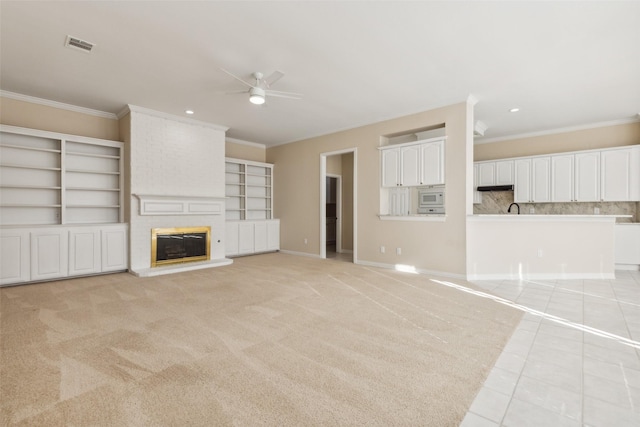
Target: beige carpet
271,340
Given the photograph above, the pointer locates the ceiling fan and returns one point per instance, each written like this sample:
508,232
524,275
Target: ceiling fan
259,90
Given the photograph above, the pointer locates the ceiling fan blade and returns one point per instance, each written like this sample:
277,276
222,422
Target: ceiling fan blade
233,92
236,77
279,94
274,77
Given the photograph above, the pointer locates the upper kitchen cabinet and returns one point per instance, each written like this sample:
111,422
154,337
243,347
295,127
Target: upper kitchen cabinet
620,174
587,177
562,178
499,172
413,164
532,180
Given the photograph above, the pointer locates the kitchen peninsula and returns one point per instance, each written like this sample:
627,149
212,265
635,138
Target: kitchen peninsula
541,246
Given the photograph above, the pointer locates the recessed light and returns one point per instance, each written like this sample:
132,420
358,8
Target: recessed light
514,110
189,112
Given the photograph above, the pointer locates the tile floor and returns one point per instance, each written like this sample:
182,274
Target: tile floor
574,361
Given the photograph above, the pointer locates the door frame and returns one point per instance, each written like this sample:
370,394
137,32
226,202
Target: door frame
323,201
338,210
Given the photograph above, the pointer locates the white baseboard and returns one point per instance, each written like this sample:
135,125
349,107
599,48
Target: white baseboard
299,253
177,268
541,276
628,267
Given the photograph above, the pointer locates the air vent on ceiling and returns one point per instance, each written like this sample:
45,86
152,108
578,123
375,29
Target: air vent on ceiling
77,43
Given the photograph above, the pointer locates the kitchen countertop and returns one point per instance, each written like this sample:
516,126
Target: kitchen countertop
543,217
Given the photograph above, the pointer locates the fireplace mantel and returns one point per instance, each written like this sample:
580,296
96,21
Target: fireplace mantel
180,205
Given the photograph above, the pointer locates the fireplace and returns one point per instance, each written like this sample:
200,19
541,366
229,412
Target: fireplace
178,245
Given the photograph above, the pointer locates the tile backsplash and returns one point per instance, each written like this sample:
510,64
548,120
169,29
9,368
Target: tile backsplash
497,202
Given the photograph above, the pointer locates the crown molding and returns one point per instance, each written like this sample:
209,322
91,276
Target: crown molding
56,104
135,109
242,142
561,130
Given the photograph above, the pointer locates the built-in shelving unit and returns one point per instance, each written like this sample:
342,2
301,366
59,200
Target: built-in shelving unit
249,190
60,206
48,178
250,226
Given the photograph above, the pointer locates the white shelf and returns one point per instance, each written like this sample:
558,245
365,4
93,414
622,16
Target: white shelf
249,190
75,179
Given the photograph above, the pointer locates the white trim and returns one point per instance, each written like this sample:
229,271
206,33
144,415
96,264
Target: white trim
540,276
544,218
242,142
628,267
306,254
248,162
418,270
559,130
141,110
180,205
59,136
417,218
323,199
56,104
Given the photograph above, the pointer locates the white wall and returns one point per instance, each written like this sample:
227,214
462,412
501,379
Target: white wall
173,157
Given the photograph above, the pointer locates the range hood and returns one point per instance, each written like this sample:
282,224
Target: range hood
496,188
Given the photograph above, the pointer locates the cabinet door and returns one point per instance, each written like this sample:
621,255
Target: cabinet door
477,196
504,172
486,174
615,175
522,185
562,178
84,251
114,249
273,235
587,177
232,239
391,167
245,238
49,254
541,179
432,156
410,166
260,236
14,256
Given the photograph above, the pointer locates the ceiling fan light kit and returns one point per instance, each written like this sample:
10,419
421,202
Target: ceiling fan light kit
256,96
259,91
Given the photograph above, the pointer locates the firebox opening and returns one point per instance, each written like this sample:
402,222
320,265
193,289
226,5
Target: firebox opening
178,245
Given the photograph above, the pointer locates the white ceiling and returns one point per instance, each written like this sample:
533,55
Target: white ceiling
564,64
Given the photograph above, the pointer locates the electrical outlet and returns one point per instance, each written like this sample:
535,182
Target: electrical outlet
596,211
532,210
398,251
306,241
382,249
540,253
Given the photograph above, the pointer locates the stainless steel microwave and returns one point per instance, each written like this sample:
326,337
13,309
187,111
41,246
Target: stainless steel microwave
431,201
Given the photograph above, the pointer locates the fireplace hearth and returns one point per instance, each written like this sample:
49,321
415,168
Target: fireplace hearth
179,245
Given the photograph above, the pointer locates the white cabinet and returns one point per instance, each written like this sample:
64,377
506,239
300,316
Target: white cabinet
477,196
500,172
15,258
432,163
399,201
114,248
273,235
44,253
532,180
49,253
522,185
620,174
627,246
249,237
413,164
249,190
391,167
562,178
587,177
245,237
85,251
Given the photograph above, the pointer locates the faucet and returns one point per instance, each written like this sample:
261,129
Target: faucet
517,205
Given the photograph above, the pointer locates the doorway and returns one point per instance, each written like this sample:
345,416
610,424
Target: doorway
333,212
338,190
